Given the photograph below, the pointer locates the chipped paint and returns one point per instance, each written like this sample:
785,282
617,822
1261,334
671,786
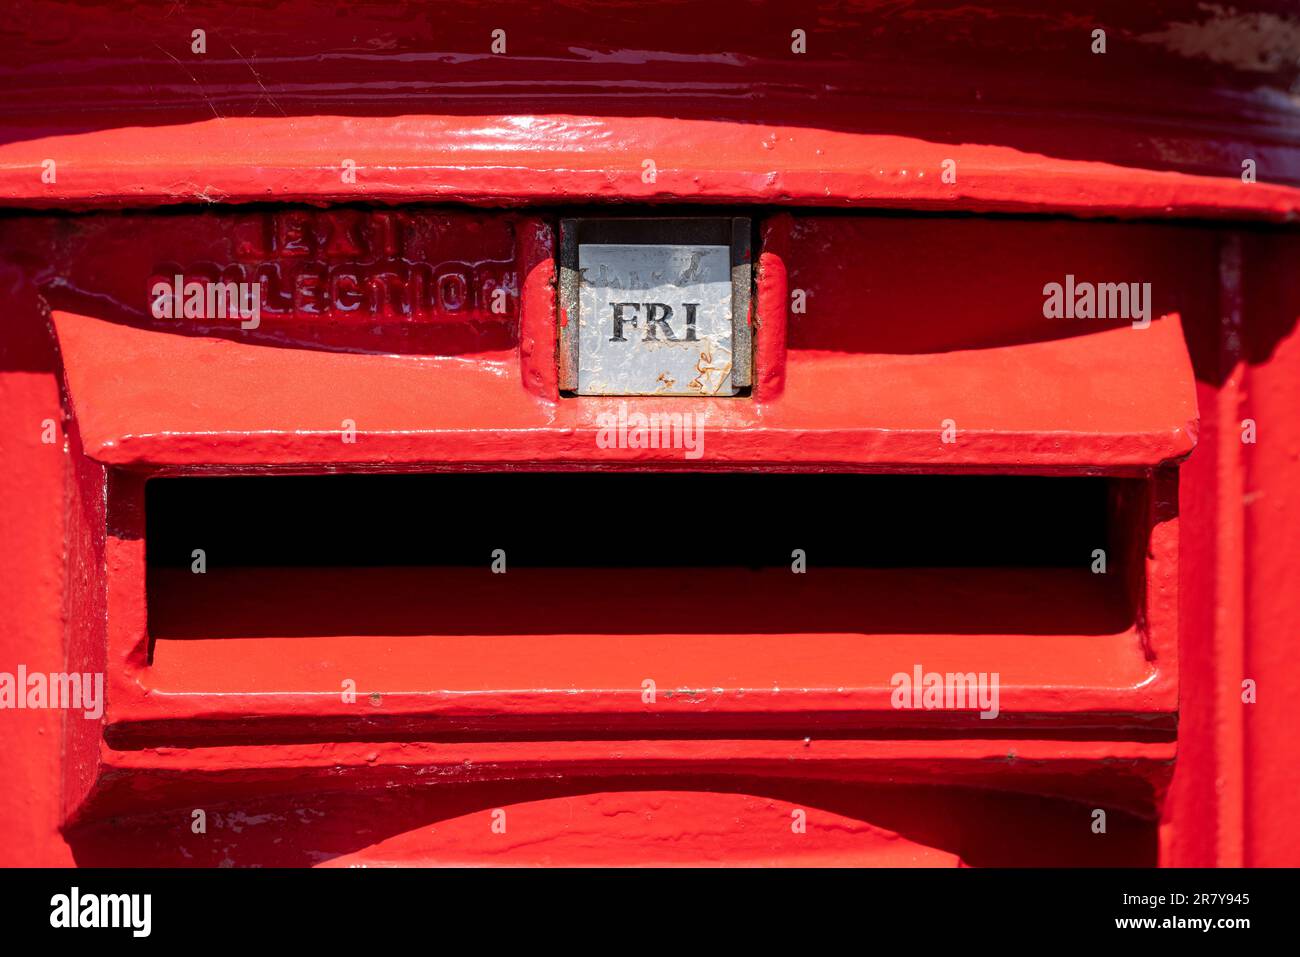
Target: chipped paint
1254,42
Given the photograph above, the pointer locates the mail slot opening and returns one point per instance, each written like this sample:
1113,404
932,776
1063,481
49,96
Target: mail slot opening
431,555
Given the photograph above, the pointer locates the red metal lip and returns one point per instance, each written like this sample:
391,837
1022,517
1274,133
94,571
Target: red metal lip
464,159
1024,392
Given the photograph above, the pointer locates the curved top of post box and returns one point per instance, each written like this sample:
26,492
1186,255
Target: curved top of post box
1175,108
566,159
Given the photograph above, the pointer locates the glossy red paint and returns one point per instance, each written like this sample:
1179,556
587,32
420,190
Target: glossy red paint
145,396
909,319
1091,701
471,159
713,93
648,821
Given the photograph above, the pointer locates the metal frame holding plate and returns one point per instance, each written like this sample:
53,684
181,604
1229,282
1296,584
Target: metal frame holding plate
656,342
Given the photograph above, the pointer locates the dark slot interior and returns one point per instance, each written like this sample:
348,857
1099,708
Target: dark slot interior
638,554
625,520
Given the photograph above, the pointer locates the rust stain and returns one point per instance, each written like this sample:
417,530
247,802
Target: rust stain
704,382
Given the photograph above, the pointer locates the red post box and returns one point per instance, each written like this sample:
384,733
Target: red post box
820,463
